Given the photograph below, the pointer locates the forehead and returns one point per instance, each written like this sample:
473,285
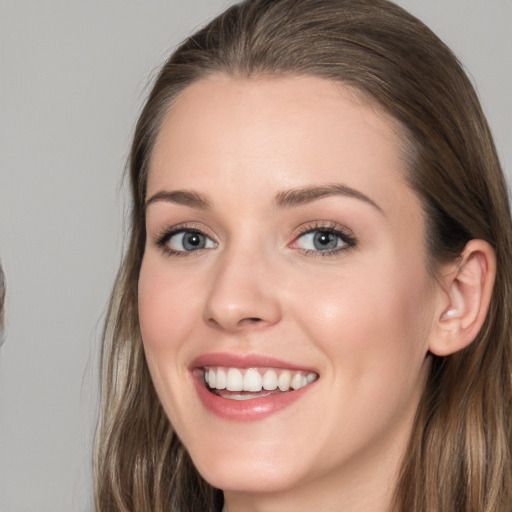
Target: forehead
284,131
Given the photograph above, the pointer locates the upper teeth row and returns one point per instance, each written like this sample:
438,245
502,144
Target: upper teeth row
233,379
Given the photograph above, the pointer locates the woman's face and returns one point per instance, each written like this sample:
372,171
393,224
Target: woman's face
284,248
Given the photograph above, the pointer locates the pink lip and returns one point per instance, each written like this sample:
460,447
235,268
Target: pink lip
245,361
244,410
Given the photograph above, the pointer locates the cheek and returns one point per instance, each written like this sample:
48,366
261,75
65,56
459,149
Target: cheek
168,305
371,323
369,326
168,309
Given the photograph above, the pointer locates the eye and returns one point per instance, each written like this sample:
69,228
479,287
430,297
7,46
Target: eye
185,240
324,240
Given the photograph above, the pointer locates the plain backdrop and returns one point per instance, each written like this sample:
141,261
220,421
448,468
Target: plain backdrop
73,75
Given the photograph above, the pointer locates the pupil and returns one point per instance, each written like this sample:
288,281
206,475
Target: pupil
323,240
193,241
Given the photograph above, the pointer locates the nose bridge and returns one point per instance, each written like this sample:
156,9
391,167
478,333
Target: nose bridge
242,293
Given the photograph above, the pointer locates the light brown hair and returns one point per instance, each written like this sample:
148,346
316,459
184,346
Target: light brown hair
459,456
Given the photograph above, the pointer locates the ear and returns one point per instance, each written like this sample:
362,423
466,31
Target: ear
466,289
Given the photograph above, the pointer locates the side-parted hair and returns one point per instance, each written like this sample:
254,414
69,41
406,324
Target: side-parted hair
459,454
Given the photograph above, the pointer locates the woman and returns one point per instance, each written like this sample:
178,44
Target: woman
312,313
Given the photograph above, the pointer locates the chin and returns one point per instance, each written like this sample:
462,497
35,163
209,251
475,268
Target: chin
259,480
241,474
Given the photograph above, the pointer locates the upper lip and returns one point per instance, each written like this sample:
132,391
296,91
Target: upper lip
246,361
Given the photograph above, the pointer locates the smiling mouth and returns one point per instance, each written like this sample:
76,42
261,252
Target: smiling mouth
251,383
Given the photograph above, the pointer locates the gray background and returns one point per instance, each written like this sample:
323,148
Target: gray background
72,79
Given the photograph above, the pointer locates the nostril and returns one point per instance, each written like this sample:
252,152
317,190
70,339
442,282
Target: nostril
235,325
240,324
213,322
251,320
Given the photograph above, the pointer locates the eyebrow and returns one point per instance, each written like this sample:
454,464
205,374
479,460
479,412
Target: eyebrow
285,199
305,195
182,197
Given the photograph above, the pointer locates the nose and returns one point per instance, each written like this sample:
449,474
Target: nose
243,294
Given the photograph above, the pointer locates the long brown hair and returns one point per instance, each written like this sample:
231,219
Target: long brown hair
459,456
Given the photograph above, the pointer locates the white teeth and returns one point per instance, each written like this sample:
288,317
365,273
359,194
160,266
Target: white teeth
234,381
211,378
252,380
221,379
255,380
284,380
296,382
270,380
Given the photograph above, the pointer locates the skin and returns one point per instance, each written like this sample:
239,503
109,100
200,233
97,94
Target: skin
362,317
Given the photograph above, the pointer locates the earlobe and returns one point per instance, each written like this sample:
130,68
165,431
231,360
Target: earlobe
466,294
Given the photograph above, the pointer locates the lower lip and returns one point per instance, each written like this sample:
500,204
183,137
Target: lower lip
254,409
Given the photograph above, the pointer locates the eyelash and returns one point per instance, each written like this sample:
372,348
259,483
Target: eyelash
162,240
348,239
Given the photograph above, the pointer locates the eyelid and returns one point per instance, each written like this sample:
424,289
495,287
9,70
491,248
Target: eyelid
346,235
162,237
185,226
